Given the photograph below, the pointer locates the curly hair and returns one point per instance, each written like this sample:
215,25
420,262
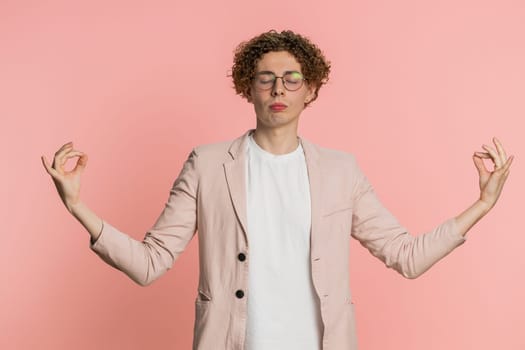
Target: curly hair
314,66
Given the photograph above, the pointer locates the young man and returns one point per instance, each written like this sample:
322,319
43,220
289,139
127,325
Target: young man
274,214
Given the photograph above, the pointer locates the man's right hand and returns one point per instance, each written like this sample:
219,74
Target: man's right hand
67,182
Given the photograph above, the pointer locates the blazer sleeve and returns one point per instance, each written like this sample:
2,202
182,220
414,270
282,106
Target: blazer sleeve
146,260
380,232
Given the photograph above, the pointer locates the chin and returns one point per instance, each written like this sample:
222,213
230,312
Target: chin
278,120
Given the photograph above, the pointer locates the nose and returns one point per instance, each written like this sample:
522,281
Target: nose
278,87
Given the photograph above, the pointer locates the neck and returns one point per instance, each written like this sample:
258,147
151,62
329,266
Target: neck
276,140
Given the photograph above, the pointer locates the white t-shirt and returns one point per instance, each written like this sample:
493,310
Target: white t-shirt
283,309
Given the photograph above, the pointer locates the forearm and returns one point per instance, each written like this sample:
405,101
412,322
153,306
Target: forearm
88,219
470,216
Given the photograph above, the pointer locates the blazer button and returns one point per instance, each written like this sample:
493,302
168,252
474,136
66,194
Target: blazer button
239,294
241,257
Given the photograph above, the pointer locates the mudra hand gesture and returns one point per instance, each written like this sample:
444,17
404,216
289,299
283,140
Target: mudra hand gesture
66,182
491,182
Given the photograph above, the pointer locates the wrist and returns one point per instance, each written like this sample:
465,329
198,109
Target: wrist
483,206
74,208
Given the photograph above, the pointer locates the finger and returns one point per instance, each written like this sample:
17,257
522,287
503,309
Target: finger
73,153
482,155
69,153
64,147
495,156
70,143
480,165
505,176
500,149
504,171
60,153
507,164
48,167
81,163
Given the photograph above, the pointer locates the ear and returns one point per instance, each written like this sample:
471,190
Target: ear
310,95
248,94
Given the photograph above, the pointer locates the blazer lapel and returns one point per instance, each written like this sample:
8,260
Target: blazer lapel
235,171
311,155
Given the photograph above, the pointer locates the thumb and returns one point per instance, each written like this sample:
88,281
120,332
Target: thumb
48,167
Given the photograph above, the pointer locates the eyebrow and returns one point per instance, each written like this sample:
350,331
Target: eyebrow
286,72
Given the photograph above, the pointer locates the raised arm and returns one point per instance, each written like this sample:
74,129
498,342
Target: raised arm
67,184
490,184
379,231
146,260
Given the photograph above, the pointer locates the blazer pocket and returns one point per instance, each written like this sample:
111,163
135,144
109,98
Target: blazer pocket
203,297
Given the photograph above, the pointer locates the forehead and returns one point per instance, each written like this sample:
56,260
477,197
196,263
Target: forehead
278,62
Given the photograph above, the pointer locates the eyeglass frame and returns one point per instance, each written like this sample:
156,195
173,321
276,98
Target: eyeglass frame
303,79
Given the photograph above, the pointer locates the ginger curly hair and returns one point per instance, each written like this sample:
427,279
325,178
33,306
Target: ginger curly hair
314,66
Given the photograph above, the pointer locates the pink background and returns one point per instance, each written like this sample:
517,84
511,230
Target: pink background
416,88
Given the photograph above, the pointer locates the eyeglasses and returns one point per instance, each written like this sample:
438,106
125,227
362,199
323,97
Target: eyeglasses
265,80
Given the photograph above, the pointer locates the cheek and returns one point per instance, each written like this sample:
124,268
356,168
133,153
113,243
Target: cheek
258,99
258,104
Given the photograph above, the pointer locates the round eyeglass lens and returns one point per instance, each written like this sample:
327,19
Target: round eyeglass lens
292,81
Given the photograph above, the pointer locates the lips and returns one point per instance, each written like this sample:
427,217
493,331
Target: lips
278,106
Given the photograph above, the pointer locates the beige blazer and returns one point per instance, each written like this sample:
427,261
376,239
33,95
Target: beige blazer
209,195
